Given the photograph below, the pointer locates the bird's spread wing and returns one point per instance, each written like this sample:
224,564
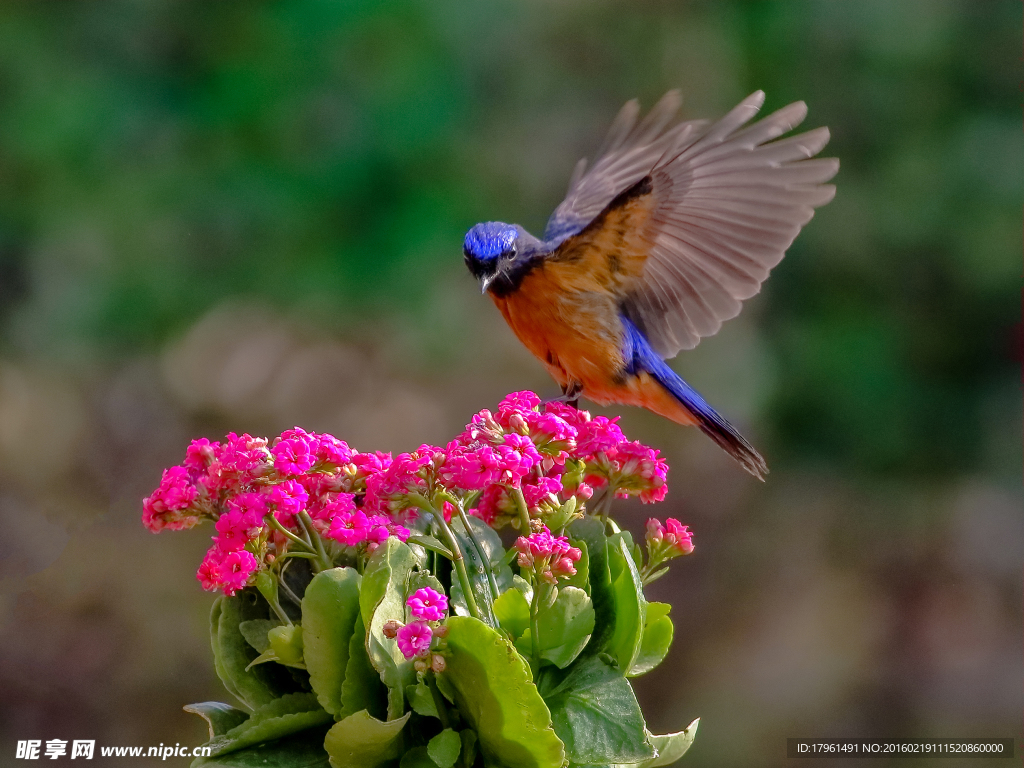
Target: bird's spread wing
701,227
629,152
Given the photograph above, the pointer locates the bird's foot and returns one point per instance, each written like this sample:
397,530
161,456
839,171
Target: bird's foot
570,395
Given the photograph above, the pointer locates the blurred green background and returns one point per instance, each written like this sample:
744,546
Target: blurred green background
248,215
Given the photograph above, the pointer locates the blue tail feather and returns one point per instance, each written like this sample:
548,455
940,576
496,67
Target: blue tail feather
640,356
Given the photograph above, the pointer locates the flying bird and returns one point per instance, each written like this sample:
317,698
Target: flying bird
672,227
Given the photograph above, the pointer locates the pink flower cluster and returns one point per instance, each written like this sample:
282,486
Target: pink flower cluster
669,540
316,485
242,481
550,557
415,638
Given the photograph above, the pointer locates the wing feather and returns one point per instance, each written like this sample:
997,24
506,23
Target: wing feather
720,205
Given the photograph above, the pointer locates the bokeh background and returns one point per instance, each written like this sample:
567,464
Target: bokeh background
248,215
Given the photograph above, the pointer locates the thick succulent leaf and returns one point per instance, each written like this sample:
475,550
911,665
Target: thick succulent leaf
468,736
444,748
628,591
564,627
362,688
329,610
219,717
495,693
591,531
672,746
255,632
417,757
656,639
422,700
301,750
282,717
595,714
581,578
382,599
233,654
363,741
512,612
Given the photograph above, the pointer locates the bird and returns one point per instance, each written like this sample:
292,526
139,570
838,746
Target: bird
655,245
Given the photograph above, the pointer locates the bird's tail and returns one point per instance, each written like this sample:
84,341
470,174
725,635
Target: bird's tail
677,400
710,422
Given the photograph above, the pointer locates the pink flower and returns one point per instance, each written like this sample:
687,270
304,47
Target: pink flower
667,541
242,523
294,452
201,454
599,435
228,572
288,499
349,528
539,493
632,469
168,506
550,557
240,460
330,450
427,604
552,432
414,639
572,416
378,530
678,536
519,401
494,506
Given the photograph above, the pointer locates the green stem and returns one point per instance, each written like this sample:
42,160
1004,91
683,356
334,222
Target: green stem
459,562
524,511
479,548
274,523
439,704
535,628
307,524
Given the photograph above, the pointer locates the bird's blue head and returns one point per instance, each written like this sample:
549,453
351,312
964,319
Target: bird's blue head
489,249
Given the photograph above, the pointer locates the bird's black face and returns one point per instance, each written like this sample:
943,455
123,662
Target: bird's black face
489,251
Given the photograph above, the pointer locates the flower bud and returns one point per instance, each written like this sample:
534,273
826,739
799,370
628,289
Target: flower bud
390,629
437,663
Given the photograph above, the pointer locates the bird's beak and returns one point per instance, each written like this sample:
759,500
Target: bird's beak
486,282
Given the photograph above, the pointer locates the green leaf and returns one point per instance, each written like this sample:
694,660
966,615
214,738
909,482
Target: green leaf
219,717
301,750
422,700
233,654
477,565
362,741
444,748
628,591
468,736
282,717
329,610
286,641
564,627
656,639
362,688
417,757
255,632
431,543
512,612
581,578
590,531
382,599
595,714
672,746
494,691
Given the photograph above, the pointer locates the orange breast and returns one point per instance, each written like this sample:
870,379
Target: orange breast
575,333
